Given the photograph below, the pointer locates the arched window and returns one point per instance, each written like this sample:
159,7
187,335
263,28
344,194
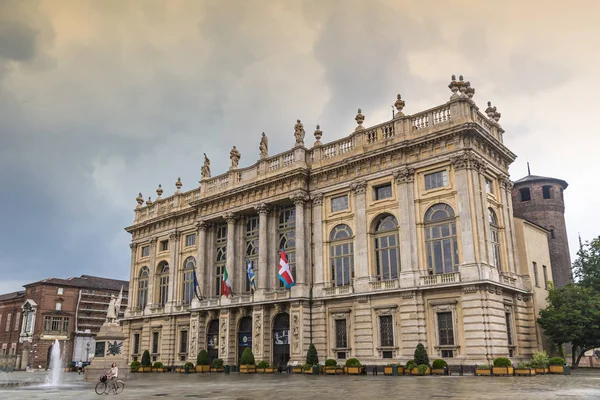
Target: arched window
387,253
188,279
163,283
287,237
342,256
494,238
142,295
440,239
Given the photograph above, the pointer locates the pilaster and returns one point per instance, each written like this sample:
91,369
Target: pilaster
409,245
361,258
317,210
263,249
231,218
174,268
202,227
132,303
152,277
299,201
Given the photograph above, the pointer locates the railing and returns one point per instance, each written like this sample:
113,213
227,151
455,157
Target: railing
431,117
383,285
384,131
277,294
508,280
337,148
438,279
336,290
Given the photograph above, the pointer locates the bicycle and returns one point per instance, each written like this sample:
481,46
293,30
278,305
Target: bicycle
102,387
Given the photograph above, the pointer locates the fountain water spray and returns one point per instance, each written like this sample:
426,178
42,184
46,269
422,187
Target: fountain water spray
56,371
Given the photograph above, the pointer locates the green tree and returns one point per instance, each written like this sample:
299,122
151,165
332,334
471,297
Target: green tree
247,357
311,355
146,359
202,358
573,316
421,355
587,265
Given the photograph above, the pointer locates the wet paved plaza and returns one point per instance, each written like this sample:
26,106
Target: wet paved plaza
580,385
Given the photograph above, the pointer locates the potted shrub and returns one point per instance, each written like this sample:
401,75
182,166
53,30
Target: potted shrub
330,366
217,365
410,365
439,367
540,362
202,362
421,358
189,367
312,359
353,367
524,369
423,369
261,367
135,366
158,367
483,370
393,370
296,369
557,365
247,362
502,366
146,363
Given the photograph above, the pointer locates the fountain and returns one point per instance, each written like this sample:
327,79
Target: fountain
56,370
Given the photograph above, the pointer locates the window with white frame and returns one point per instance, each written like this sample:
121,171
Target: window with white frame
440,239
252,226
190,240
58,306
436,180
188,279
163,283
494,238
341,255
386,330
381,192
489,186
142,299
145,251
339,203
59,290
387,250
8,317
17,321
445,329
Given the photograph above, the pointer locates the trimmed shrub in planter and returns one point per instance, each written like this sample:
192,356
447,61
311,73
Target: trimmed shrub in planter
524,369
353,367
439,367
188,367
557,365
158,367
217,365
483,370
540,362
502,366
421,356
247,362
312,357
263,368
393,370
146,363
135,366
202,362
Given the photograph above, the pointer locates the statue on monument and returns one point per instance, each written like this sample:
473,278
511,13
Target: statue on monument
112,314
299,133
235,156
264,146
205,173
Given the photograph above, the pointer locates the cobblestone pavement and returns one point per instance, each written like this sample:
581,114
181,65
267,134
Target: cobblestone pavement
580,385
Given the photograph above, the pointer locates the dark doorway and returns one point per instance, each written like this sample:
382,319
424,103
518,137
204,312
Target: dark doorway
212,340
244,336
281,339
49,356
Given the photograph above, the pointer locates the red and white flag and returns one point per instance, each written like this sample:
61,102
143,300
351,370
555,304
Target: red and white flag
285,274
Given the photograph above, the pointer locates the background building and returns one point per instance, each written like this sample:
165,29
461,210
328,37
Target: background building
540,200
68,310
10,326
398,234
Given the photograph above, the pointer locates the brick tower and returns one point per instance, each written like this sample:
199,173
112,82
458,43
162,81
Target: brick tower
540,200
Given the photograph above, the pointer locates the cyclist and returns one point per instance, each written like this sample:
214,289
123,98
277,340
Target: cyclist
112,374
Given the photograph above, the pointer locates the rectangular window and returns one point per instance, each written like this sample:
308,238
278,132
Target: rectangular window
489,188
145,251
339,203
546,192
535,275
252,227
17,321
221,250
136,343
183,342
386,331
509,329
383,191
154,342
525,195
447,353
341,338
59,290
545,271
164,245
58,306
190,240
436,180
445,329
8,317
56,325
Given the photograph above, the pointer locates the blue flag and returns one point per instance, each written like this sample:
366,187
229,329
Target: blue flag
251,276
196,286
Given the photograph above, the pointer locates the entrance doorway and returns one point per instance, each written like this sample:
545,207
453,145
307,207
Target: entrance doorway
212,340
244,336
281,339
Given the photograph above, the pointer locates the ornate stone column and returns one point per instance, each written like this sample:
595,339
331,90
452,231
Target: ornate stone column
174,268
231,218
152,277
300,277
263,248
317,210
133,278
409,264
510,240
201,274
361,259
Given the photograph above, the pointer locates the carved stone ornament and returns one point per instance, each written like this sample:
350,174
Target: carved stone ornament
230,217
470,289
296,331
159,191
318,135
405,175
174,236
299,133
264,146
506,183
178,184
466,160
234,156
407,295
205,172
298,198
132,245
360,118
256,345
399,104
317,199
359,187
140,200
202,225
262,208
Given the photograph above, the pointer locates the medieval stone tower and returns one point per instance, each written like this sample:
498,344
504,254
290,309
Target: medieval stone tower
540,200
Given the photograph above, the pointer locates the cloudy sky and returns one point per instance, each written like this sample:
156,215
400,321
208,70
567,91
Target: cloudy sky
100,100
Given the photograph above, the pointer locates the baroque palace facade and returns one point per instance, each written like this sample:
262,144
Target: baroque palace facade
398,234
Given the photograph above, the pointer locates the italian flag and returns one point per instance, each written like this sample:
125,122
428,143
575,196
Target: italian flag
225,283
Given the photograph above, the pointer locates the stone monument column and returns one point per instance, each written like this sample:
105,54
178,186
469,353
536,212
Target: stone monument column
510,239
361,257
263,248
300,276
